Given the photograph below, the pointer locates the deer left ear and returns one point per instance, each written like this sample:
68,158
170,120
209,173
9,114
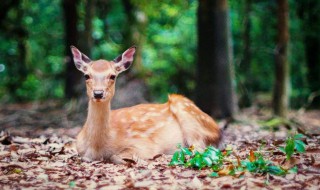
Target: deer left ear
124,61
81,61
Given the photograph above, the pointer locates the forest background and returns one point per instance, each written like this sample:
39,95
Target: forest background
222,54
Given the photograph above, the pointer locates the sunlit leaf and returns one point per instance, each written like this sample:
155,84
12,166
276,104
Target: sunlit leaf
186,151
207,161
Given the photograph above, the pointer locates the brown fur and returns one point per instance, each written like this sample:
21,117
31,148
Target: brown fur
145,130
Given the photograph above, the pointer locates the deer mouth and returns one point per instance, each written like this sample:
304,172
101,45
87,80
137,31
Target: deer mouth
99,99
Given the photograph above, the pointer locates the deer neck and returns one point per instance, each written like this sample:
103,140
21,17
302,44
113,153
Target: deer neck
98,119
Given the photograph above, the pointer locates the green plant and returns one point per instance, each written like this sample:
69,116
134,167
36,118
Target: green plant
221,164
293,143
258,164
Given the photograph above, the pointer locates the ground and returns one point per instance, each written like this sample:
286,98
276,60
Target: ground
36,152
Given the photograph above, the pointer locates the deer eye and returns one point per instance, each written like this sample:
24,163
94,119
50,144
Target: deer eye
112,77
86,76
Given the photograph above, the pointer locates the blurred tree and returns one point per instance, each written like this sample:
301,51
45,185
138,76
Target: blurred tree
86,43
281,83
14,28
308,11
245,62
135,32
73,76
215,93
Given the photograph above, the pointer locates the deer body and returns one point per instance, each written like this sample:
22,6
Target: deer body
140,131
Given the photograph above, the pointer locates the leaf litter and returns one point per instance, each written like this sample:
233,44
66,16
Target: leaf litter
41,155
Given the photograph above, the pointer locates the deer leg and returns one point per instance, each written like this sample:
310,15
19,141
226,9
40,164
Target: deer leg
127,156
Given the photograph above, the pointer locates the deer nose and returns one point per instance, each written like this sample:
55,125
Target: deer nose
98,94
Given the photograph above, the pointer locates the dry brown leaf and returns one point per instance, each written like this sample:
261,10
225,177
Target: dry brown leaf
252,157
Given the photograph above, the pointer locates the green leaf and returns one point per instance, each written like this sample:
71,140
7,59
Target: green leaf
207,161
260,163
17,170
216,167
250,166
298,136
177,159
275,170
198,162
300,146
186,151
293,170
72,184
181,157
214,174
282,149
232,172
289,149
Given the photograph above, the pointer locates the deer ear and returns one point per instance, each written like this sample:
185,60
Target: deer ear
124,61
81,61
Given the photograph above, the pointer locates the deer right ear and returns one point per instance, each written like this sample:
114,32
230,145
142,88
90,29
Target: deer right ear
124,61
81,61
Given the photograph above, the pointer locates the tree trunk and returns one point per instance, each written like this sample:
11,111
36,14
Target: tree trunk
135,33
215,93
281,83
308,11
14,29
86,43
245,64
73,76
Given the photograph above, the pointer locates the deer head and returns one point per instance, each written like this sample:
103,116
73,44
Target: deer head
101,74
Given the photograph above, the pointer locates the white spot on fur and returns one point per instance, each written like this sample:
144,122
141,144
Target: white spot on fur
188,104
152,114
163,110
153,129
143,119
152,108
133,118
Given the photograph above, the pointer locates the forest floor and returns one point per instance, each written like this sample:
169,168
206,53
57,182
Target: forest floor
36,151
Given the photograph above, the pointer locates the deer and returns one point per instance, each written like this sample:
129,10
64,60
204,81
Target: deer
139,132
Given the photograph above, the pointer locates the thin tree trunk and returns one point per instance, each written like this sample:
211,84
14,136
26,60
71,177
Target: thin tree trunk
73,76
215,93
281,84
245,64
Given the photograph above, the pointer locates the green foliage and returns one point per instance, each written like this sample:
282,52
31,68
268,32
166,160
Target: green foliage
169,51
211,157
259,165
293,143
220,162
178,157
